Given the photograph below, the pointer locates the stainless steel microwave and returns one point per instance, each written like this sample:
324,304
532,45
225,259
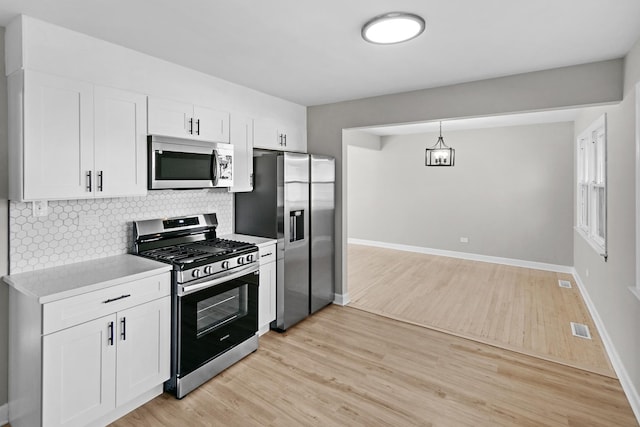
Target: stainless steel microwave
176,163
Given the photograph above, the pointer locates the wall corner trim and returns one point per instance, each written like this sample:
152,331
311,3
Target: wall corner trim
341,299
623,376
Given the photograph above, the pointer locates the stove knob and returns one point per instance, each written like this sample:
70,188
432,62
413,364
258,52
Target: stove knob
241,260
196,273
249,258
208,269
225,264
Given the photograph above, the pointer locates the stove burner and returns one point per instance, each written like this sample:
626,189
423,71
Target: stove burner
187,253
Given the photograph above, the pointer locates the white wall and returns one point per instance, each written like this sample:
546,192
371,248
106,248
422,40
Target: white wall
607,282
510,192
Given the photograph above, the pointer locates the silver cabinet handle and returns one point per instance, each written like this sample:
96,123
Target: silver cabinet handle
116,299
100,180
198,128
123,328
89,186
269,254
110,337
191,125
285,139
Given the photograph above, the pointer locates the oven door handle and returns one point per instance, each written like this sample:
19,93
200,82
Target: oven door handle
236,273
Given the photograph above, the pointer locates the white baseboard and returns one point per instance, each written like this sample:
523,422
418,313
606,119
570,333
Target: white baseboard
625,380
341,299
465,255
4,414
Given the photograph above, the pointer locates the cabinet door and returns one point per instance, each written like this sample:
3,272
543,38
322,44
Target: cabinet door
58,137
242,140
266,135
272,135
144,346
291,138
210,125
170,118
120,143
78,373
267,296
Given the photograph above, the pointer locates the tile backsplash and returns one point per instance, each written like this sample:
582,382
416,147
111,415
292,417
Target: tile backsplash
81,230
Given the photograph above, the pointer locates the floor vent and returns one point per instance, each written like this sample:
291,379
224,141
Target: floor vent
580,330
564,284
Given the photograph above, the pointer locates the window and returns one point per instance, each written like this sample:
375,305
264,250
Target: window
592,185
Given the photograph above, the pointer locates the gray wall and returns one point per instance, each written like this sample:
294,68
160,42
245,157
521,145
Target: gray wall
607,282
510,192
587,84
4,240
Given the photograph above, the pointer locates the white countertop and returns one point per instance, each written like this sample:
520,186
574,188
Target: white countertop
258,241
56,283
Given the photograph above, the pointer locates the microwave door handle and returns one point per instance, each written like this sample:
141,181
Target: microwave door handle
214,167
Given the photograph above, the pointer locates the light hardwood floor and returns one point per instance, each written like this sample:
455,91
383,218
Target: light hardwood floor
347,367
515,308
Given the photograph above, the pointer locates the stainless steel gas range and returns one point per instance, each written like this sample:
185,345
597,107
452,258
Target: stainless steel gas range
215,295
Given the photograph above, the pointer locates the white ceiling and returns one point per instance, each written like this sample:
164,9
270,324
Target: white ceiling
311,52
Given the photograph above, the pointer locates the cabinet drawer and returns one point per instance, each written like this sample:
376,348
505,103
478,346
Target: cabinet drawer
68,312
267,254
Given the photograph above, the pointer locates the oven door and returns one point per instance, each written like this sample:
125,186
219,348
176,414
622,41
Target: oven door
213,319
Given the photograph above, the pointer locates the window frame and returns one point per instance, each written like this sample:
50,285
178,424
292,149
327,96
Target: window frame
591,185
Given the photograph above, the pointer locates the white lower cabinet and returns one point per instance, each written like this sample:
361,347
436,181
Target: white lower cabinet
267,288
144,348
78,374
97,355
90,369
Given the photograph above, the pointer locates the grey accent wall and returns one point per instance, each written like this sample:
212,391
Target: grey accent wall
510,193
587,84
608,282
4,240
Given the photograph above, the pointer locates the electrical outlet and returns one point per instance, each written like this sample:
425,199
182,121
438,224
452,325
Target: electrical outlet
40,208
88,220
464,240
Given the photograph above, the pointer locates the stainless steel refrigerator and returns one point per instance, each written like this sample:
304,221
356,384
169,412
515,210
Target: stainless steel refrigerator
278,208
322,205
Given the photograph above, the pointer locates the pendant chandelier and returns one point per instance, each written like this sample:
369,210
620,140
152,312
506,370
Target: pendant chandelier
440,154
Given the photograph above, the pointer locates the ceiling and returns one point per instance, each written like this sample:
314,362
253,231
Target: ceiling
311,52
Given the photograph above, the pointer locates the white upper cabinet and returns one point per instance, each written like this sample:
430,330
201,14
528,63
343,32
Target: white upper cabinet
58,136
120,143
71,140
182,120
242,140
271,135
211,125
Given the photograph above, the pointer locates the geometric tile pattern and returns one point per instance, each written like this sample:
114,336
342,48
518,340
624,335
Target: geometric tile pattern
65,236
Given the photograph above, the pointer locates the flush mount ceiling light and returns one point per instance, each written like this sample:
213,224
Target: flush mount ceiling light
440,154
394,27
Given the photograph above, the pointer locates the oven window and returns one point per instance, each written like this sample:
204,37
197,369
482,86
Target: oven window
221,309
173,165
